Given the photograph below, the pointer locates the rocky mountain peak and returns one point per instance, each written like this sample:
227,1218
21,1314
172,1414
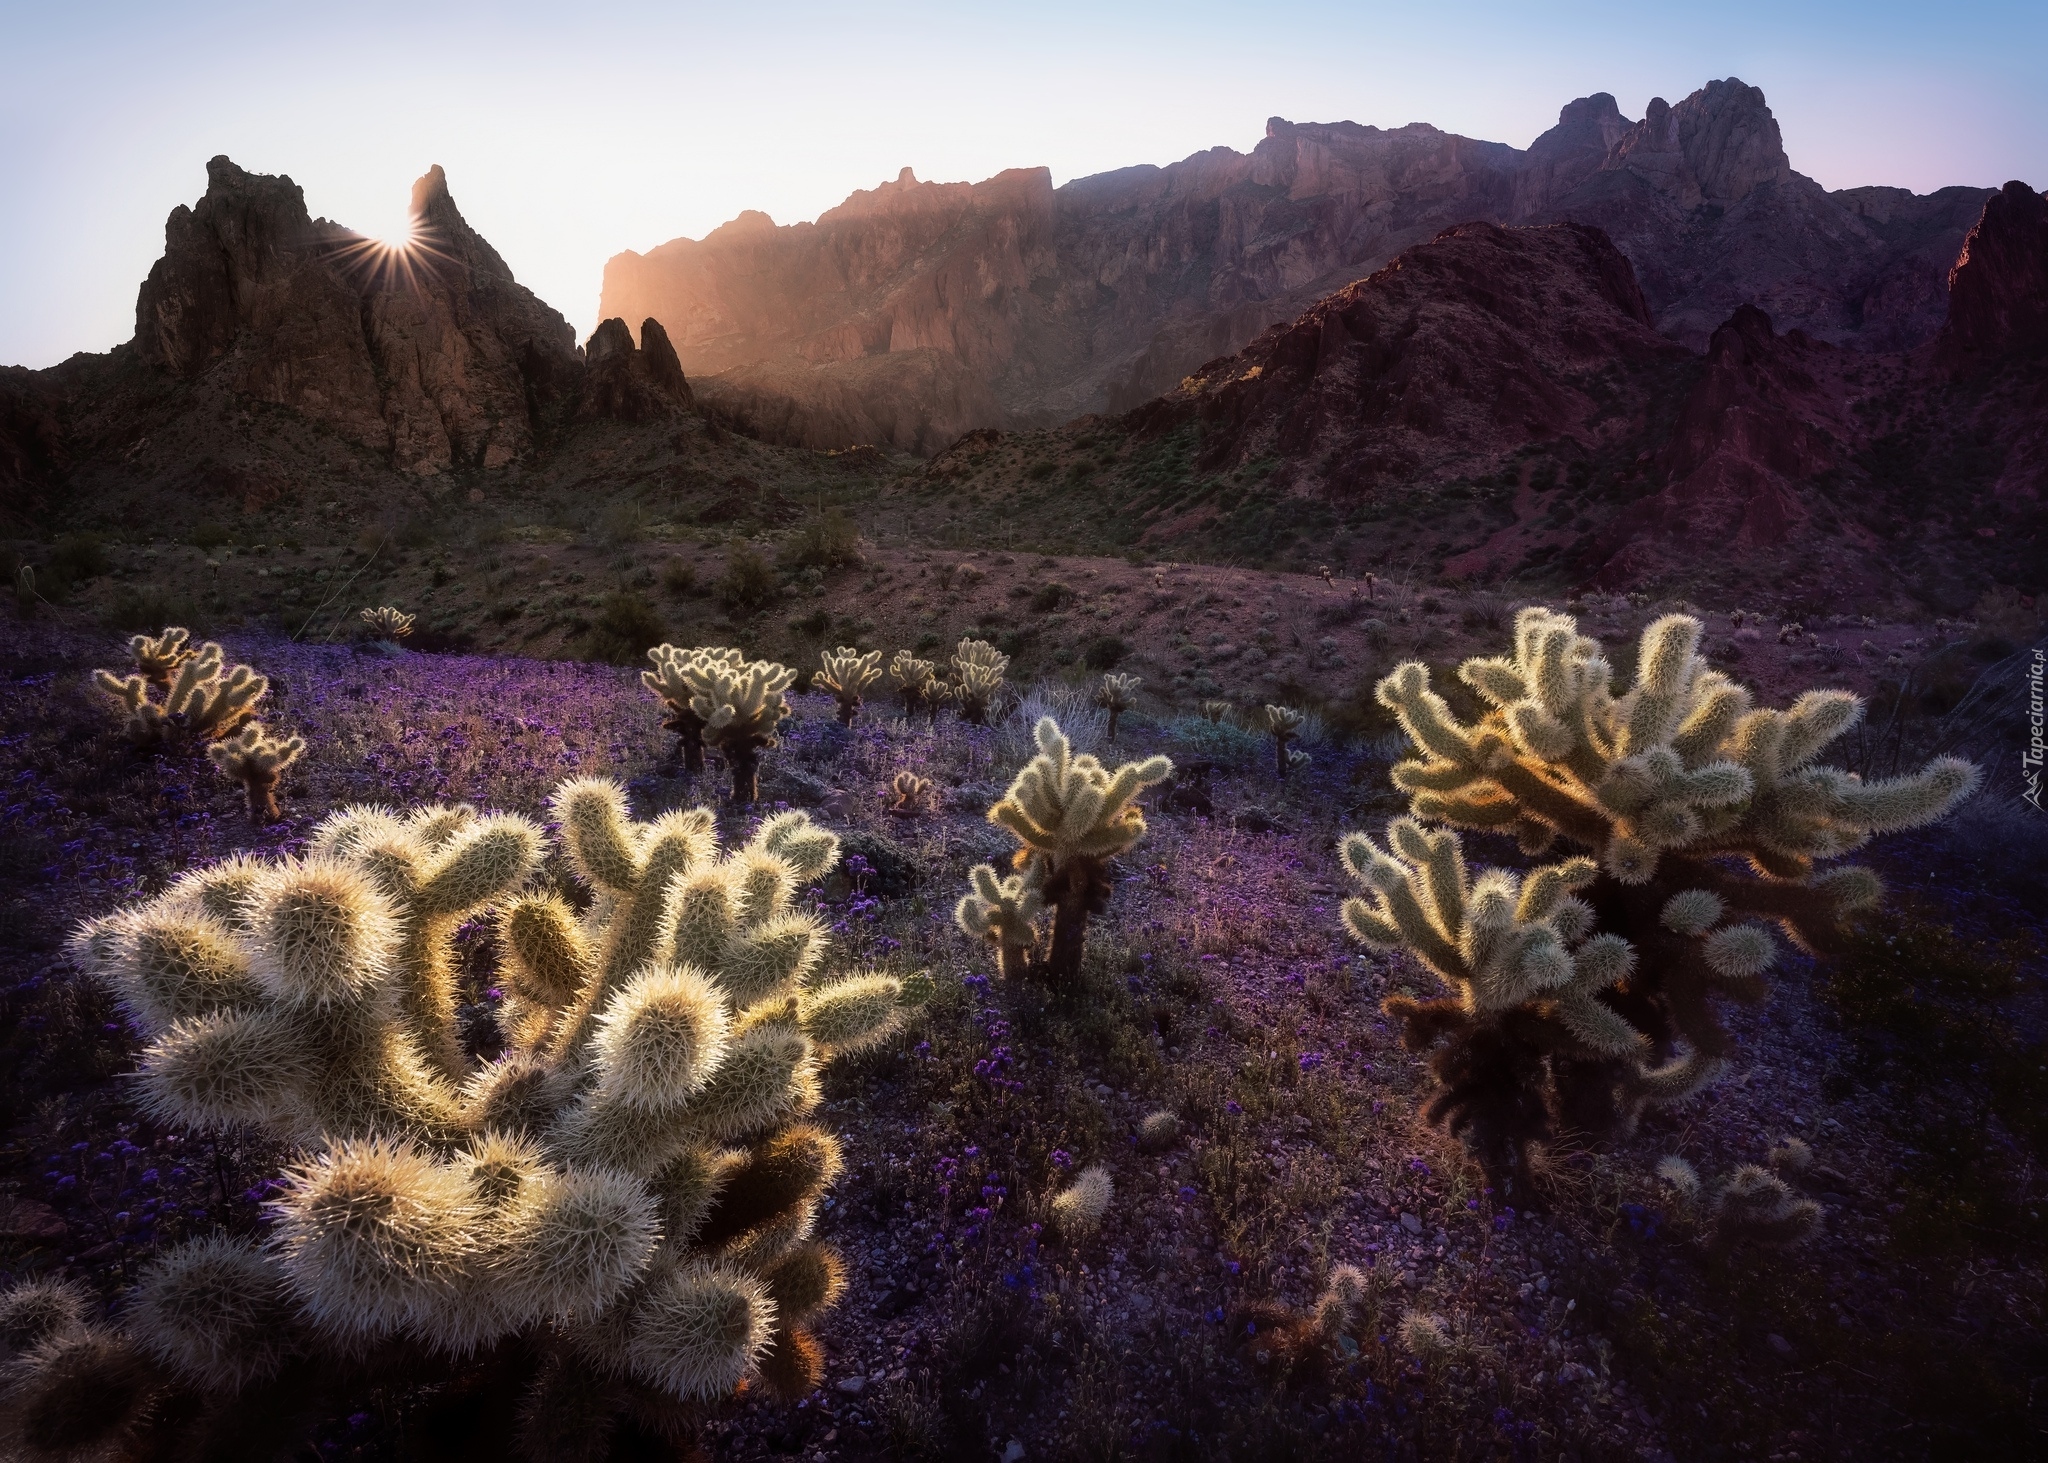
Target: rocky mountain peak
1998,289
1716,146
626,383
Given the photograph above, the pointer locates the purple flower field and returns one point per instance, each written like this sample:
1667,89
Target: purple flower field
1221,988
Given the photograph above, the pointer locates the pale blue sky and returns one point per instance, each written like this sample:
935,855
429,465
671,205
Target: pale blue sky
572,132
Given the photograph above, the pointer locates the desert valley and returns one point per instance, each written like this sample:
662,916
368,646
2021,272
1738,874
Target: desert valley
871,860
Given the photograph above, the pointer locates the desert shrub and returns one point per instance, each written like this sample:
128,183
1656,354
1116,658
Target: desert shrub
1222,742
1105,652
826,542
625,629
1083,722
1049,597
678,578
2009,615
78,557
146,606
1583,990
747,583
621,523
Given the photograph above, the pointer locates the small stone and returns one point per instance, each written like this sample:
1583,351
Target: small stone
1572,1372
851,1386
1779,1344
1411,1223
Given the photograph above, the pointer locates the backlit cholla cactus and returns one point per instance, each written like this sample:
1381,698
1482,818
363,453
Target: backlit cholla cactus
1663,789
1116,695
200,700
669,686
917,685
1215,712
846,673
740,703
1078,1210
977,678
910,795
256,760
158,657
626,1194
1283,724
387,623
1072,815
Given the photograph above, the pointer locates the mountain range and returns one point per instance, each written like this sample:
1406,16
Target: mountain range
916,311
1637,351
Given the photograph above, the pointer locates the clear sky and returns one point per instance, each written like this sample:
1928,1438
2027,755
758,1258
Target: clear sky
573,131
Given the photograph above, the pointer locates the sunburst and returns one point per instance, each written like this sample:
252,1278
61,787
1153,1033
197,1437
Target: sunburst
399,258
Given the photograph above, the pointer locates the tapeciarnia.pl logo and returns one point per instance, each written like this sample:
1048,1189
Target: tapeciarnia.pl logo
2030,759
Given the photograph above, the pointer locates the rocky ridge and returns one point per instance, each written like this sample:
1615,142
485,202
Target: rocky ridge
1018,304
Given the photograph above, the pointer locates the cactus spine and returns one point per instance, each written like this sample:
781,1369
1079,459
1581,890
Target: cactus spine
1660,788
1072,816
630,1187
257,760
978,669
1116,695
846,673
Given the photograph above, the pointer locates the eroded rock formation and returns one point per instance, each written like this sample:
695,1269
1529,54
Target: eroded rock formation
1039,304
432,353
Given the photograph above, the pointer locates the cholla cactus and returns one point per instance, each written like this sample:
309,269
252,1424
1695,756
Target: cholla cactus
1116,695
1283,724
158,657
1072,815
915,683
911,795
846,673
200,701
674,692
257,760
1425,1336
629,1190
738,703
387,623
1158,1131
977,678
1078,1210
1748,1205
1215,711
1660,788
68,1387
1004,912
1344,1295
